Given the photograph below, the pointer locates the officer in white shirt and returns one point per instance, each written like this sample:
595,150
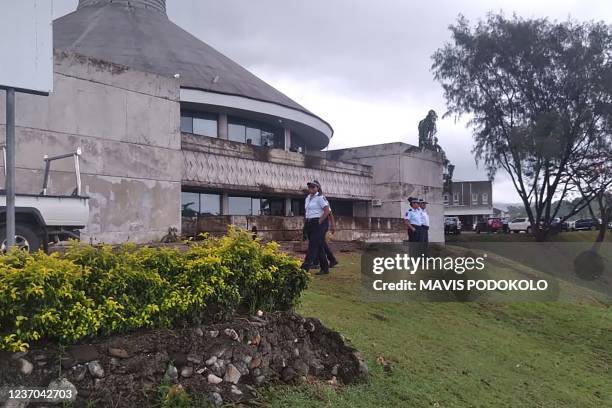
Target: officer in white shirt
317,211
413,220
424,222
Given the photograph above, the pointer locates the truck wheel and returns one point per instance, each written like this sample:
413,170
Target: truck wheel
25,238
528,230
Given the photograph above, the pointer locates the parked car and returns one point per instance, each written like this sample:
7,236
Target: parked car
587,224
490,225
519,224
452,225
569,225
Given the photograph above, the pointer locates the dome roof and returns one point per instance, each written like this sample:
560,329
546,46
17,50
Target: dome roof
138,34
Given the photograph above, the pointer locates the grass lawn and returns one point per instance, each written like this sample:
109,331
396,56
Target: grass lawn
569,236
460,354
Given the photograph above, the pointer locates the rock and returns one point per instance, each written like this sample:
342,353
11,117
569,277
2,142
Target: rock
25,367
186,371
16,403
247,359
211,361
296,352
216,399
200,371
232,375
333,381
172,372
213,379
256,340
79,372
235,390
117,352
218,351
310,327
194,359
256,362
62,384
179,359
288,374
83,354
232,334
213,334
260,379
300,367
18,354
114,361
256,372
363,367
259,313
95,369
198,332
316,368
334,369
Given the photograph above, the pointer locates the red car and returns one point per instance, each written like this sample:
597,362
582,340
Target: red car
490,225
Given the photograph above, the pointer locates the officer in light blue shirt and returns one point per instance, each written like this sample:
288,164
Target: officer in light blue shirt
413,220
317,211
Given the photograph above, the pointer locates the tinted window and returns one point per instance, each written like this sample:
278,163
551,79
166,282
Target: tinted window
190,204
186,124
236,132
205,125
210,204
240,206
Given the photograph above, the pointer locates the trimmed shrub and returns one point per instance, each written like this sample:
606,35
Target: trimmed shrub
98,291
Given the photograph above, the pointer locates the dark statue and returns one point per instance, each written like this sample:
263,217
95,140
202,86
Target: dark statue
429,141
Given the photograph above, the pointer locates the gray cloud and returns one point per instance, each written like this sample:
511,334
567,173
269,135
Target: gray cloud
360,53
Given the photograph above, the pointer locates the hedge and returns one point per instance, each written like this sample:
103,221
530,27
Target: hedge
91,291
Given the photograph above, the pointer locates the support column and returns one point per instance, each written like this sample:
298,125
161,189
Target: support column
288,207
225,204
222,132
287,139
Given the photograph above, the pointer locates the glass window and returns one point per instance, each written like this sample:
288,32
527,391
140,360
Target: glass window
456,198
485,198
240,206
297,144
190,204
273,206
236,132
474,198
270,139
253,136
445,198
297,207
186,124
210,204
205,125
256,206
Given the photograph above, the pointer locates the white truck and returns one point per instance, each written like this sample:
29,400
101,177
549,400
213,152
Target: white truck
44,218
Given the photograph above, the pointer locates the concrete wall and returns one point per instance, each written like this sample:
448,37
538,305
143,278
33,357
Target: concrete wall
399,171
230,166
126,122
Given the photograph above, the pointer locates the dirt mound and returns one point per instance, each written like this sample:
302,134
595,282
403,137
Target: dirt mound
224,361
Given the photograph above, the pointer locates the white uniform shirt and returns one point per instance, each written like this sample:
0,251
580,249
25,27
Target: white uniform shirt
424,218
414,217
314,205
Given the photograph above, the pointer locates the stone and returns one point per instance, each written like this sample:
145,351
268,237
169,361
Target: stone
247,359
198,332
296,352
260,379
213,379
300,367
288,374
256,340
79,372
179,359
194,359
256,372
172,372
18,354
310,327
25,367
232,334
213,334
334,370
211,361
186,371
117,352
16,403
216,399
259,313
316,368
95,369
255,362
200,371
235,390
218,351
232,375
62,384
83,354
114,361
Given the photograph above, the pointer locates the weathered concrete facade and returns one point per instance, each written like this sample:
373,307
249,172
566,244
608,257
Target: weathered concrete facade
125,122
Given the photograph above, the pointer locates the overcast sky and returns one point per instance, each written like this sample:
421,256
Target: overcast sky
362,65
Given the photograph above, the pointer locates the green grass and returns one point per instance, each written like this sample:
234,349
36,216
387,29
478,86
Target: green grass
570,236
534,354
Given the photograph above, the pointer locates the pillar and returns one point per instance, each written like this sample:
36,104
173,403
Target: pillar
287,139
222,132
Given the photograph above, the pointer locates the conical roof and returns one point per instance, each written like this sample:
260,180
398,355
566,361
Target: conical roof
138,33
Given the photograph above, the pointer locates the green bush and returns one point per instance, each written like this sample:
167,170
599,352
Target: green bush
92,291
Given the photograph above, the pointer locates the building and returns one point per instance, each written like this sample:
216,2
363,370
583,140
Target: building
175,134
471,201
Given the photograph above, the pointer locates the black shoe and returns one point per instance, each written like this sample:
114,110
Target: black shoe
306,267
323,272
333,263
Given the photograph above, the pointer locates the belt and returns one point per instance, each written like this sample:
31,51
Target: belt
426,227
312,219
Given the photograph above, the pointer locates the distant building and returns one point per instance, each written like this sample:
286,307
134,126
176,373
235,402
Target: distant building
471,201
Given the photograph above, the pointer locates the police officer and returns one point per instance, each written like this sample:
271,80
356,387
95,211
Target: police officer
413,220
424,223
317,212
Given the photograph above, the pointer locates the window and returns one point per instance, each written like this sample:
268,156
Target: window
240,206
255,133
199,123
445,198
256,206
474,198
297,207
456,198
344,208
485,198
297,144
200,204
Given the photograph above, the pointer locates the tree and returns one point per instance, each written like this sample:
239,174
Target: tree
538,94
